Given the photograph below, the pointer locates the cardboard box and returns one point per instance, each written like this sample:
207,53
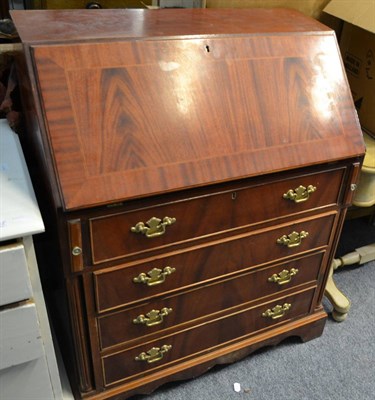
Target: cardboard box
312,8
357,44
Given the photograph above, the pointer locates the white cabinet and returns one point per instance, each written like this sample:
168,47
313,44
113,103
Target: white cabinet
28,367
15,282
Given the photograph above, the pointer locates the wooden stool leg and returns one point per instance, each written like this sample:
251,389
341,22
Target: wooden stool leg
339,301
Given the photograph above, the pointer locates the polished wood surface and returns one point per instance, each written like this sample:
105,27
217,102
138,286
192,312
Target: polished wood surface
122,365
111,237
115,287
307,328
209,117
202,302
67,25
135,118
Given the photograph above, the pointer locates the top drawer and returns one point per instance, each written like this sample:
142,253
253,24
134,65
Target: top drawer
153,227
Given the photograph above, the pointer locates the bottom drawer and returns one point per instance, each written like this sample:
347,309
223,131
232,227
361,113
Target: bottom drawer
27,381
167,350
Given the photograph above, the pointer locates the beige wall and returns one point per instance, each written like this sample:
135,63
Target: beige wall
312,8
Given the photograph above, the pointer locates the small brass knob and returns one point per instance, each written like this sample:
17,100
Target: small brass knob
76,251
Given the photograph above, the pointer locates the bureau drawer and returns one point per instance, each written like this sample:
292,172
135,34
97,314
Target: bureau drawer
15,282
206,300
203,338
116,287
112,236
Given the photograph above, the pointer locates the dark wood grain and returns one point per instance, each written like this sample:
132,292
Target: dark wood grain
205,337
115,286
306,328
207,116
111,237
135,118
109,24
202,302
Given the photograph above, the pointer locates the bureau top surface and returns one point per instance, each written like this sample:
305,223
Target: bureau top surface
70,25
140,102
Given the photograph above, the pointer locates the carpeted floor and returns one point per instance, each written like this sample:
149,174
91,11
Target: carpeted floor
340,365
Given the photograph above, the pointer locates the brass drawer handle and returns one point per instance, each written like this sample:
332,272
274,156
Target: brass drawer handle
277,312
292,240
155,226
152,318
299,194
154,354
154,277
283,277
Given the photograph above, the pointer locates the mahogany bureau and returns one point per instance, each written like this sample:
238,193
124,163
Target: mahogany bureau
200,164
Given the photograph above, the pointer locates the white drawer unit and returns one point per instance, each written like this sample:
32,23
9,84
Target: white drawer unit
28,366
21,339
15,282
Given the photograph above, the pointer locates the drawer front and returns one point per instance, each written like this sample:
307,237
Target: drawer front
112,236
27,381
14,275
167,350
119,286
21,339
205,301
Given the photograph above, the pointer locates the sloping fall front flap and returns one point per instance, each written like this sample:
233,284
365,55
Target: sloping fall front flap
129,119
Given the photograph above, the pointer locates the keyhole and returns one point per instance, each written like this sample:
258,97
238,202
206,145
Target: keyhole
234,195
208,49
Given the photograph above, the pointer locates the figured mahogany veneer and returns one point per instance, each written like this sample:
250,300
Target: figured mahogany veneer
112,238
199,164
115,287
118,327
122,365
168,114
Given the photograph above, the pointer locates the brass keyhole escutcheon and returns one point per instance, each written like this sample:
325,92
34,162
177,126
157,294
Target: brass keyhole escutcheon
152,318
154,227
283,277
299,194
277,311
154,354
154,277
294,239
